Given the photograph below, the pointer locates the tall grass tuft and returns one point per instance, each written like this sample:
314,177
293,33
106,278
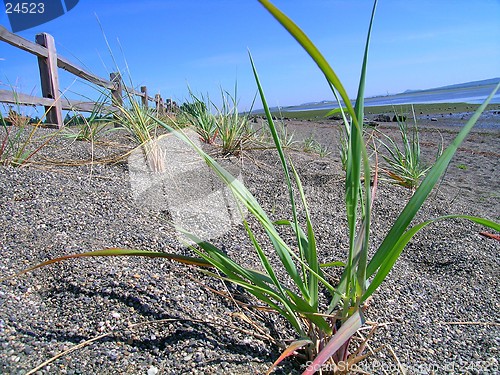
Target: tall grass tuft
287,137
198,112
233,128
404,164
313,146
17,137
323,334
89,128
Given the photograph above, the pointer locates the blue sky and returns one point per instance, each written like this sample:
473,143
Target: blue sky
169,45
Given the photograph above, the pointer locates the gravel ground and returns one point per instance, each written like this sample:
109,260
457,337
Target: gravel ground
438,308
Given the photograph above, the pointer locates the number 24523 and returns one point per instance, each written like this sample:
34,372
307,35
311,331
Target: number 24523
24,8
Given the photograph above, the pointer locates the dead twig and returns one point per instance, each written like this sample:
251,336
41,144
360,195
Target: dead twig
72,349
495,324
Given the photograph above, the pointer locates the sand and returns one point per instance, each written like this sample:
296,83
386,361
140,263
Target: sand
438,308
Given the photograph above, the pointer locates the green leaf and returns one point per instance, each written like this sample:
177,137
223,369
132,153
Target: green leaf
122,252
291,269
392,256
332,264
421,194
312,50
334,112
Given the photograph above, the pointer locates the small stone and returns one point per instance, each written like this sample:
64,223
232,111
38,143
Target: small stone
112,355
116,315
28,350
153,370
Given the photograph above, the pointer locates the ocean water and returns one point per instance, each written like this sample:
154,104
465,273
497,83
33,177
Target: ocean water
472,95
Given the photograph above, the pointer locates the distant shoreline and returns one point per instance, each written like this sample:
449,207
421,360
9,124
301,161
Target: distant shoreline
458,111
463,94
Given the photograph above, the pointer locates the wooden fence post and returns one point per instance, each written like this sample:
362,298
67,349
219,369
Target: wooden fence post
116,94
160,108
50,80
144,99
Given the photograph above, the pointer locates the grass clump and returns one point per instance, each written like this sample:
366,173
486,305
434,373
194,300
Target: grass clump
234,129
198,113
17,137
323,333
137,121
231,128
287,138
89,128
313,146
141,124
403,163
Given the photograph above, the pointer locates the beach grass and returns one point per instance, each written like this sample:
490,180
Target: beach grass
325,335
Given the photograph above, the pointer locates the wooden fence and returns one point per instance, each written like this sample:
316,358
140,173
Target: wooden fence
52,99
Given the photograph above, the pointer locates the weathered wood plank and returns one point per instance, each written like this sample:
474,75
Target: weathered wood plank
160,107
62,62
65,64
21,43
35,49
50,79
116,91
78,106
10,97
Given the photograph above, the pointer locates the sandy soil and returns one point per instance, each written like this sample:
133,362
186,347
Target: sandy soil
438,308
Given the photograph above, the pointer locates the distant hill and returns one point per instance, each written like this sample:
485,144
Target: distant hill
484,82
470,92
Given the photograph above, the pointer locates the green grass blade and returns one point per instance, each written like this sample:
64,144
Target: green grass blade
392,256
332,264
359,151
360,100
242,194
301,284
255,282
311,49
264,260
421,194
121,252
310,250
265,295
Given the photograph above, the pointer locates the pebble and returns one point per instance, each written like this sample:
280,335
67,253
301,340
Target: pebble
77,299
28,350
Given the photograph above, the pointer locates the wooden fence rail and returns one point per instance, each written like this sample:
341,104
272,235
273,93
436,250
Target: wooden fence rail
52,100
